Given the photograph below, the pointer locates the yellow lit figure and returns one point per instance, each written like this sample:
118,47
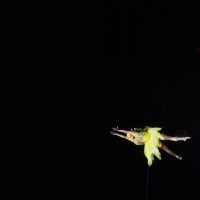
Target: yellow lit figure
151,139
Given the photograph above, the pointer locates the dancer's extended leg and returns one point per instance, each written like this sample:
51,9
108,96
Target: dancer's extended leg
171,138
166,149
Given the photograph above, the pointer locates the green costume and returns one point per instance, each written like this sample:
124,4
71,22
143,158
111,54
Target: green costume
151,137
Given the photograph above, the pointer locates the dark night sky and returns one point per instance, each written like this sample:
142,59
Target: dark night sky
150,77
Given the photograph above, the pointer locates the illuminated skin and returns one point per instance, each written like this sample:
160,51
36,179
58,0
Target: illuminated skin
136,138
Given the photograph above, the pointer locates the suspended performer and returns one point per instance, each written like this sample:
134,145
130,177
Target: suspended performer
151,139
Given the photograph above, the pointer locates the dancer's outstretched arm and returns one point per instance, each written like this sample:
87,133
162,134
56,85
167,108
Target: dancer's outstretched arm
128,135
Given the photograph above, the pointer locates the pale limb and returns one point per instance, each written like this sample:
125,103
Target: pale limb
166,149
122,136
171,138
128,135
135,134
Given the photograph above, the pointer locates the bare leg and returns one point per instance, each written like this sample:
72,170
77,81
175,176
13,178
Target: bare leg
167,137
166,149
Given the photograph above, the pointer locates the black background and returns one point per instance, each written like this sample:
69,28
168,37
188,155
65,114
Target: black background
149,76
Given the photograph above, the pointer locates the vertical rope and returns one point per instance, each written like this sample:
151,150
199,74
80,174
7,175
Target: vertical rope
147,183
178,79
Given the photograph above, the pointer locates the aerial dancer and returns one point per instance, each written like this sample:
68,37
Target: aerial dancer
151,139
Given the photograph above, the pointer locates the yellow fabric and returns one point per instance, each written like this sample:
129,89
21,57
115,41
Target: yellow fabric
151,143
138,143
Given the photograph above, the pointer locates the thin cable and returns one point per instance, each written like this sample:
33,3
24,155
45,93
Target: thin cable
161,113
147,183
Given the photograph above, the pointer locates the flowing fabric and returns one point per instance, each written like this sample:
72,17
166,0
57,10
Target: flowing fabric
151,143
